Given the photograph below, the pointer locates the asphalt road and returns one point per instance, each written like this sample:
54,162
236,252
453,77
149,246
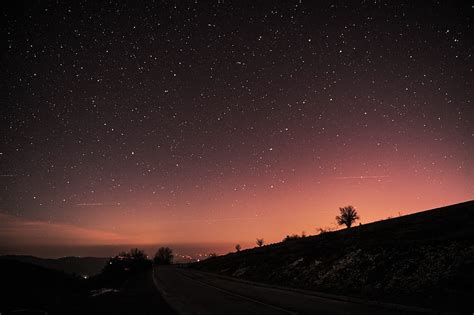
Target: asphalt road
192,292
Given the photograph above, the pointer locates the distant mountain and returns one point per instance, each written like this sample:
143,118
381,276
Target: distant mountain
426,259
72,265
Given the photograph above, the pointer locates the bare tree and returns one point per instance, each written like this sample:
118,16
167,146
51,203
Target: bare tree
347,216
260,242
137,254
164,256
238,247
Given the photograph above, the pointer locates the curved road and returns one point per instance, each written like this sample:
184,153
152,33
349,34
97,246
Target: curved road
192,292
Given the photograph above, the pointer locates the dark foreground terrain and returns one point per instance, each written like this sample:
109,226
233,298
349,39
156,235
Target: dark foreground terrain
31,289
193,292
417,263
424,259
88,266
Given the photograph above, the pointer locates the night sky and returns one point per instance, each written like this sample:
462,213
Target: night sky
224,121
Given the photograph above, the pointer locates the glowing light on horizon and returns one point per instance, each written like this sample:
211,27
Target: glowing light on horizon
247,128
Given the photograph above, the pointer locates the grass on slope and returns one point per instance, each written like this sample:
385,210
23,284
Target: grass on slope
426,259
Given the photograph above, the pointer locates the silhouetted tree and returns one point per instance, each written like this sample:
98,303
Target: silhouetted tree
260,242
212,255
238,248
126,262
137,254
123,255
164,256
348,215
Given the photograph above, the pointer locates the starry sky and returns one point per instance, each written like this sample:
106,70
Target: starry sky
223,121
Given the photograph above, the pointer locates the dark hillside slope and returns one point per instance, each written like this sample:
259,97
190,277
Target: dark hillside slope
73,265
41,290
426,259
27,286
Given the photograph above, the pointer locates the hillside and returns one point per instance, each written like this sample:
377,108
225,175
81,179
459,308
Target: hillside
27,286
33,289
424,259
72,265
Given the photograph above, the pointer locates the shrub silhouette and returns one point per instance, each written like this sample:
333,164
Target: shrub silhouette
348,215
164,256
260,242
125,263
323,230
212,255
291,237
238,247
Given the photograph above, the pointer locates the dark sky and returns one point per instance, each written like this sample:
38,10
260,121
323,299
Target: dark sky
148,122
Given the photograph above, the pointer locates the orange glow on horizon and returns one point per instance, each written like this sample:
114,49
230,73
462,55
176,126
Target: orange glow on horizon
242,216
